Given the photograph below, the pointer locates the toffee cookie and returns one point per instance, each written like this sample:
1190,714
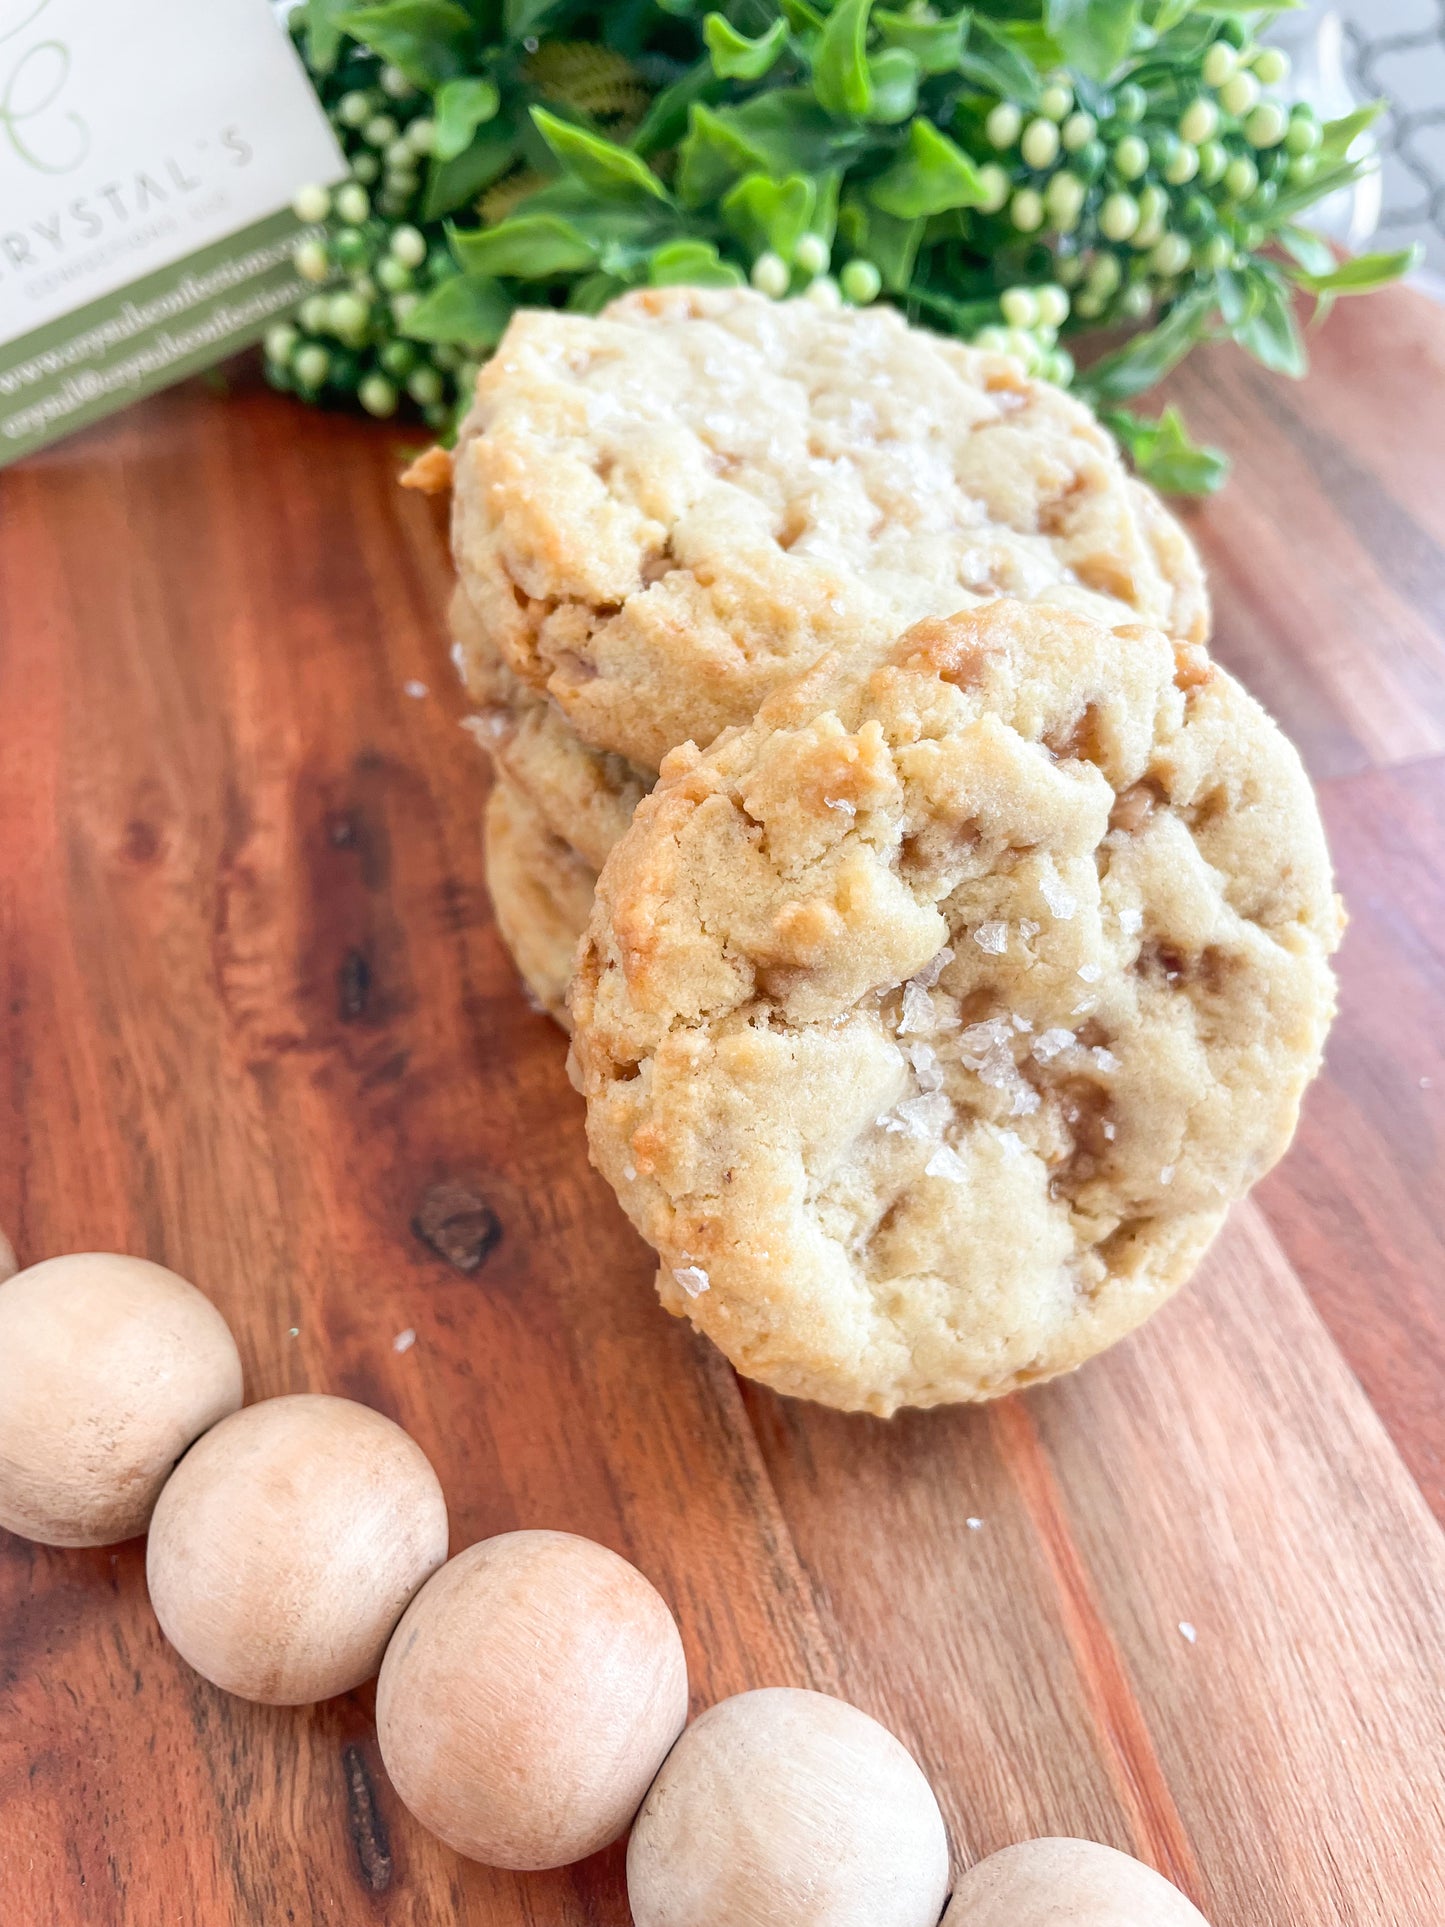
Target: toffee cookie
929,1023
584,796
541,893
664,512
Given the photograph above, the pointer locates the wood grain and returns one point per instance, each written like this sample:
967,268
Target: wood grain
253,1015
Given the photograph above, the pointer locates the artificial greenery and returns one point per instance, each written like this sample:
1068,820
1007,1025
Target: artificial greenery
1019,174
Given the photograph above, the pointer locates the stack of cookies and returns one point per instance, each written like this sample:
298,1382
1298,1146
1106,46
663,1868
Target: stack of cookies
972,952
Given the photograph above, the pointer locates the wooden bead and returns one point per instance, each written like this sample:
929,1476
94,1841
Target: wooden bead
529,1696
288,1544
109,1368
789,1806
1067,1883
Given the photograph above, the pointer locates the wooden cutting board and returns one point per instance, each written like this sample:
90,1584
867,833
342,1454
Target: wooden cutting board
255,1023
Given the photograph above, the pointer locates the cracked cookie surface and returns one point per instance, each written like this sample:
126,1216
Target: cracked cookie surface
664,512
929,1024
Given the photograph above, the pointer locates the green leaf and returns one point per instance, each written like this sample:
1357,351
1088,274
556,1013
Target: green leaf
593,292
694,264
801,17
791,133
890,244
469,309
1237,295
1329,180
1094,35
734,56
665,122
531,246
930,177
1339,136
990,62
429,40
1271,333
894,76
451,183
783,131
711,157
615,173
1032,41
1241,9
841,79
935,44
1149,356
522,17
959,317
1363,272
1314,254
323,32
1167,15
765,213
1164,453
620,233
460,108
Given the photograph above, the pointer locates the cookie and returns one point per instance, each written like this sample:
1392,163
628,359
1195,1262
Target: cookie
584,796
929,1024
541,893
664,512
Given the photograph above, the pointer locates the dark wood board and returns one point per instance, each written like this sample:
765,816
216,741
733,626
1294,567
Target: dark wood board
253,1013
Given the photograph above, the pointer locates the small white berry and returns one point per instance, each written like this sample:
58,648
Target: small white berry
812,254
770,275
1003,124
1040,144
1239,93
312,262
311,203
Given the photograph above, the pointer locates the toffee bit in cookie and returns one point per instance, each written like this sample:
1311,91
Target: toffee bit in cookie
431,472
693,1279
992,937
